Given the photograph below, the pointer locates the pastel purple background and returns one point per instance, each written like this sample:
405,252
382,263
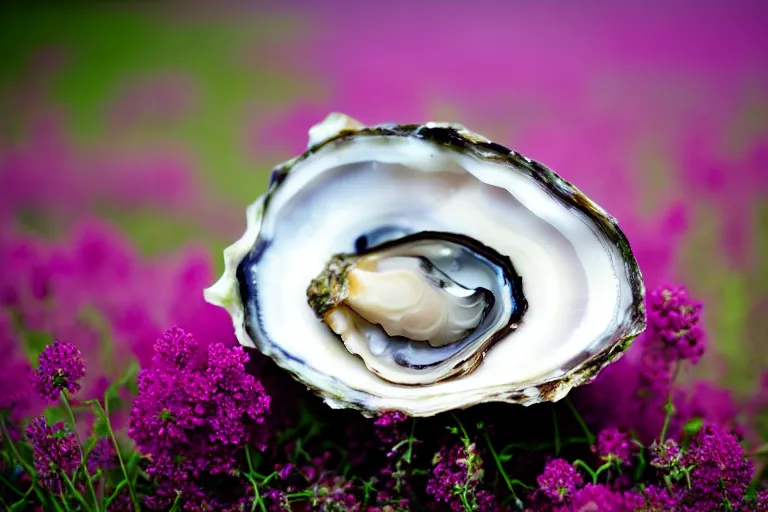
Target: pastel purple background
164,123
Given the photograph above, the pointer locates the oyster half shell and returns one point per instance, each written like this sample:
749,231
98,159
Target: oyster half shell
423,268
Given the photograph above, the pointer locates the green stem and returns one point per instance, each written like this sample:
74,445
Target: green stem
582,464
304,494
248,460
557,431
601,469
269,477
642,463
83,465
175,506
113,496
465,502
75,492
580,420
16,454
10,486
669,408
30,471
409,452
256,495
465,436
23,501
63,502
503,473
668,481
104,414
249,476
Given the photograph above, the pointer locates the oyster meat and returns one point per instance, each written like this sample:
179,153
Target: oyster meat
424,268
384,300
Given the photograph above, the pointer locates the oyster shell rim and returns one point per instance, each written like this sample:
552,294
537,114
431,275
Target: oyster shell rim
226,293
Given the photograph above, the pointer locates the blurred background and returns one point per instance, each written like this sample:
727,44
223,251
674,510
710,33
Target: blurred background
133,136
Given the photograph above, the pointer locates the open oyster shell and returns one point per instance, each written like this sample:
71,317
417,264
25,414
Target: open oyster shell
416,211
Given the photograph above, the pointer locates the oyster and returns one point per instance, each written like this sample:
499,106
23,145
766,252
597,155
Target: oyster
424,268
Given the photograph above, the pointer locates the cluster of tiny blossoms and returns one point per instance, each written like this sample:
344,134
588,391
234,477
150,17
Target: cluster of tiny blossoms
675,334
193,419
60,368
205,437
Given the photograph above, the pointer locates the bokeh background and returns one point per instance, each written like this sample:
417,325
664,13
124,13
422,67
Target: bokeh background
132,137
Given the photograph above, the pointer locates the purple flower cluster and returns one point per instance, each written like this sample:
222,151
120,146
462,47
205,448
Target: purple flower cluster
562,489
60,367
395,476
101,457
387,425
91,287
200,417
631,394
333,492
658,498
721,471
456,474
559,481
55,451
193,419
597,497
676,318
614,446
674,334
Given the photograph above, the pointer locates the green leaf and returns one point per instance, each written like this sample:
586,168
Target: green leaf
100,427
23,502
693,426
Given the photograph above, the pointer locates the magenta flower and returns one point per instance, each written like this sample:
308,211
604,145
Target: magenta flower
175,349
102,456
60,367
721,473
559,480
55,450
594,497
390,418
284,470
614,445
762,501
276,501
457,472
634,500
194,419
386,428
676,318
658,499
448,474
656,367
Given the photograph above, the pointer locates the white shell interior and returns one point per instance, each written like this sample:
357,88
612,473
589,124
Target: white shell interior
575,281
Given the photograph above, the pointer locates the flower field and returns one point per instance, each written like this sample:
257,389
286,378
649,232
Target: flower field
132,138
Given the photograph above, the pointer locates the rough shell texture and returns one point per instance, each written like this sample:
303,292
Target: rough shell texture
226,291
